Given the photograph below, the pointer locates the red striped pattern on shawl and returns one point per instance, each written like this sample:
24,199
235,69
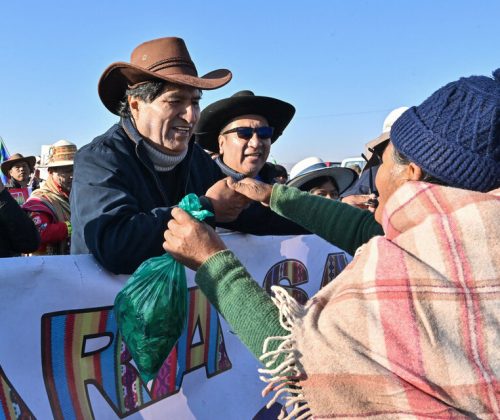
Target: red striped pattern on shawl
410,329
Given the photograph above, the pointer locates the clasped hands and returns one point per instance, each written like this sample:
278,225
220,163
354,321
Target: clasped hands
192,242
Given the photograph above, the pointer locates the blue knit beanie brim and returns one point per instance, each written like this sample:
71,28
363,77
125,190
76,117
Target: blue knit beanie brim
454,135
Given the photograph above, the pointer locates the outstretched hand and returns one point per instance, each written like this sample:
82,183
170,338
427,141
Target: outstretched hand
362,201
227,203
189,241
252,189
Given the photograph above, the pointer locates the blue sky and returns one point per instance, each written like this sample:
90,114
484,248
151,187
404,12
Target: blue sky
343,64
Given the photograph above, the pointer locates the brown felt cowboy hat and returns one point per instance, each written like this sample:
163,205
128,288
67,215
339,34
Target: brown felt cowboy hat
16,158
164,59
217,115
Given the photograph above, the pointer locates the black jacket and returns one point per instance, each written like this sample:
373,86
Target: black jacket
18,233
365,183
120,207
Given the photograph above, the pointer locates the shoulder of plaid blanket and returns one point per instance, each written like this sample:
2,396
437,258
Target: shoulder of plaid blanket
496,192
410,328
415,202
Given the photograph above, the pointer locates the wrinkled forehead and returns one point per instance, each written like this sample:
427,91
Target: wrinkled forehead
248,120
182,91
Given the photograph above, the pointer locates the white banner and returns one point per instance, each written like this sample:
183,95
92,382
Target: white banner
61,355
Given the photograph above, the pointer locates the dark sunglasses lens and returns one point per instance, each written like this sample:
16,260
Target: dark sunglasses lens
264,132
245,133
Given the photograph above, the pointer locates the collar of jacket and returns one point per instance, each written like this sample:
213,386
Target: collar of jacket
228,171
138,139
265,174
12,183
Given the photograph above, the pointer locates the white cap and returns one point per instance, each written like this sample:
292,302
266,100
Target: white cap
304,164
384,136
392,117
63,143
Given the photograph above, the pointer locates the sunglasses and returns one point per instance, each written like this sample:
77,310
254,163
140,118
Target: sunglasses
246,133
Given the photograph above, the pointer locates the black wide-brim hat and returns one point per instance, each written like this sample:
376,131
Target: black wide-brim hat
217,115
344,177
163,59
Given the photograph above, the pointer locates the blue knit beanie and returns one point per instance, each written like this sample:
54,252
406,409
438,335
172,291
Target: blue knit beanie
454,134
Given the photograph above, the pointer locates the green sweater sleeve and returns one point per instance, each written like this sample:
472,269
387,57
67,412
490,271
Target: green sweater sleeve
247,308
342,225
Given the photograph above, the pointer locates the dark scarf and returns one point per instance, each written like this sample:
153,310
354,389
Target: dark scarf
226,170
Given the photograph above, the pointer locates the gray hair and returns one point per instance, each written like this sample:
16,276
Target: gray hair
401,159
147,92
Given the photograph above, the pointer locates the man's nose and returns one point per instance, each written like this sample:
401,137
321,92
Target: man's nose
254,141
190,114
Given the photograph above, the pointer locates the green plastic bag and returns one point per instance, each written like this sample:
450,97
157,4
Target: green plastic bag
151,309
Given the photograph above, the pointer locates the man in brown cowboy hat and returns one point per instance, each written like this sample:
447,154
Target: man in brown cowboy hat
128,179
49,206
18,170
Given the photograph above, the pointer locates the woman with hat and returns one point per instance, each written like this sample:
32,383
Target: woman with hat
18,170
410,328
319,178
241,129
49,206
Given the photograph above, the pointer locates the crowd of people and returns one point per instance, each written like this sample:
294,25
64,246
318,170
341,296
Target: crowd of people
408,329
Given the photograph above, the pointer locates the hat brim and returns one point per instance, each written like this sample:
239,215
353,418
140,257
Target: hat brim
59,163
217,115
344,177
9,163
378,144
118,76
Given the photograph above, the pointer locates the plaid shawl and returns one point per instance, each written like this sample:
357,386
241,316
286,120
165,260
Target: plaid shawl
411,328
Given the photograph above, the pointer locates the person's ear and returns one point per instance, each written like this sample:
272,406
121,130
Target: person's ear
222,141
414,172
133,104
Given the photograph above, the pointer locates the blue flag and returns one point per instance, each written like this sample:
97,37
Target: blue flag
4,155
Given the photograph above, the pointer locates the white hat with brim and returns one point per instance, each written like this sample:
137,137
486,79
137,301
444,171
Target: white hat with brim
344,177
62,153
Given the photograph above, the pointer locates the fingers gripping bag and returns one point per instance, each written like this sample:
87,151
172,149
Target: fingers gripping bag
151,309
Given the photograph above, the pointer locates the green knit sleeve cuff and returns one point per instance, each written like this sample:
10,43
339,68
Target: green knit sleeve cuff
247,307
217,266
283,195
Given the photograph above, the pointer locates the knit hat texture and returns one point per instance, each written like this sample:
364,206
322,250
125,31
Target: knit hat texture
454,134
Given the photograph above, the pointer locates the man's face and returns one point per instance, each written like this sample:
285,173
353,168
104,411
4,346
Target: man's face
63,176
390,177
245,156
20,172
168,121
